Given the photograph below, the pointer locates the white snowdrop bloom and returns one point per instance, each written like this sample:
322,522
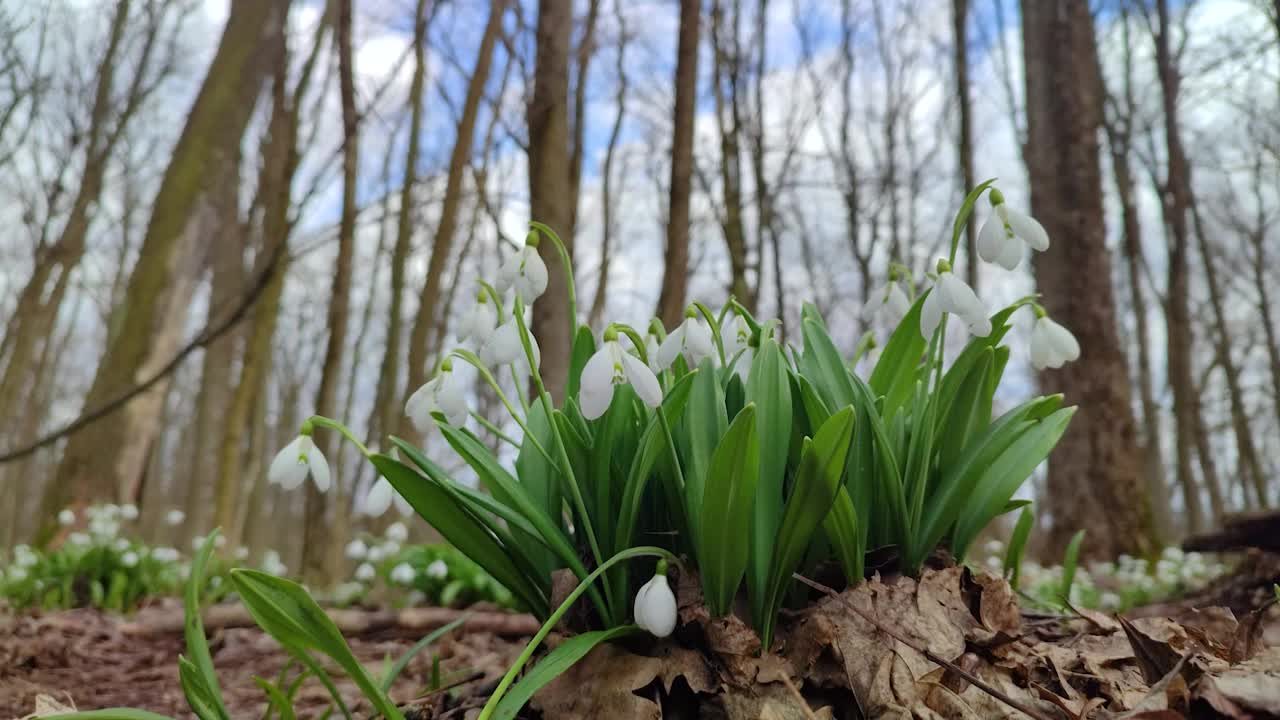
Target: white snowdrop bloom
356,549
378,499
444,394
504,347
1052,345
174,517
1005,231
525,272
165,554
735,333
403,574
952,295
17,574
296,461
889,304
655,608
122,544
390,548
365,572
129,512
480,321
438,570
129,559
994,563
994,547
78,538
376,554
24,556
1109,601
241,553
66,517
1173,552
609,367
348,593
651,348
692,338
397,532
271,564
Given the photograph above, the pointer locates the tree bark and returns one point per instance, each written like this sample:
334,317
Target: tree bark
596,316
675,273
90,466
727,77
964,141
550,184
1094,474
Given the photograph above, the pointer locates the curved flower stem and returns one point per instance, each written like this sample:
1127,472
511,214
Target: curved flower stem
636,341
487,425
495,297
332,424
671,446
566,466
962,217
507,680
471,359
715,328
515,378
567,263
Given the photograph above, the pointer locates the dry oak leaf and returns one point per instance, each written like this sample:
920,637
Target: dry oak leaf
604,683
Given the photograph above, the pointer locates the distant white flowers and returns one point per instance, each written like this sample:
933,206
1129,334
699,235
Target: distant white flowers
365,572
403,574
525,272
692,338
1003,234
438,570
271,564
655,608
296,461
1051,344
66,517
952,295
174,517
397,532
356,549
380,497
444,394
129,559
609,367
889,303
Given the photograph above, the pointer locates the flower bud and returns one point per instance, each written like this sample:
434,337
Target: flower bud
655,608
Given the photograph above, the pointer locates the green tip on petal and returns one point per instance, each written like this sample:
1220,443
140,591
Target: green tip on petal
691,312
661,569
996,197
943,266
610,334
447,365
532,239
1039,310
307,428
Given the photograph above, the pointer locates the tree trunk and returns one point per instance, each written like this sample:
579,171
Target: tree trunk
318,562
550,184
1094,474
90,467
727,73
675,274
596,316
964,143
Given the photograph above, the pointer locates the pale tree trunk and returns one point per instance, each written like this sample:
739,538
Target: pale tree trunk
442,244
596,316
1095,478
1256,236
1176,192
550,184
847,161
727,76
386,407
90,466
675,274
318,561
964,142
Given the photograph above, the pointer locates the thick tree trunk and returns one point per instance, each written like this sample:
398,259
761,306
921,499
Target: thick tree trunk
964,142
550,184
1094,475
90,468
675,274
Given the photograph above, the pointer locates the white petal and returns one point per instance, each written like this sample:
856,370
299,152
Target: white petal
959,298
1010,255
1064,344
420,405
535,273
642,380
319,469
671,347
698,340
287,468
1029,230
537,351
508,274
930,313
596,388
991,238
655,608
451,399
651,347
979,326
378,499
897,303
1041,355
503,347
402,506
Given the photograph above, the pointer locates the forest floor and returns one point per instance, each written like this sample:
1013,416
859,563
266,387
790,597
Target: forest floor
953,644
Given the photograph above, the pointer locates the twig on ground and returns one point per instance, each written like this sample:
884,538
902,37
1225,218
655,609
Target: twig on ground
350,622
933,657
795,692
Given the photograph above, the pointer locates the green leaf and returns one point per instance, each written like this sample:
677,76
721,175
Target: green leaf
394,671
824,367
1069,562
553,665
584,346
769,389
538,477
276,699
822,464
197,646
286,612
726,508
199,697
616,435
464,530
108,714
966,209
703,424
895,373
969,413
841,526
1017,546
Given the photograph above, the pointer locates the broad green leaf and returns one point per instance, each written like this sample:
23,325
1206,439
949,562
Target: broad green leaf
822,465
199,697
464,530
841,526
616,435
897,370
193,631
538,477
1017,546
970,412
726,508
553,665
769,389
584,346
703,424
824,367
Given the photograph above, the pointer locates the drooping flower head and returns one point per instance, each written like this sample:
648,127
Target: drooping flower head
504,347
889,302
952,295
1005,231
297,460
609,367
443,393
525,271
692,338
1052,345
655,608
480,321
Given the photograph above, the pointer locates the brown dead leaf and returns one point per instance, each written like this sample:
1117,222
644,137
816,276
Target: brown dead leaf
585,691
997,608
765,702
1253,685
1156,655
1247,639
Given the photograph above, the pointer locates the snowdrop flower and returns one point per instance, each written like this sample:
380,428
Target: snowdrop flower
390,547
525,271
66,517
609,367
241,553
889,303
692,338
397,532
174,517
480,321
129,559
296,461
165,554
380,497
122,544
950,294
17,574
403,574
1003,234
1109,601
504,347
438,570
443,393
356,549
365,572
129,512
655,608
376,554
736,335
1052,345
271,564
651,347
78,538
